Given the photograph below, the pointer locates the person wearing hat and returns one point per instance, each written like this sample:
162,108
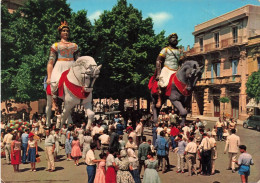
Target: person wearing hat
32,151
62,55
169,57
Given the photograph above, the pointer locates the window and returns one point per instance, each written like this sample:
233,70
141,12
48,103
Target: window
217,69
234,67
234,33
201,44
216,36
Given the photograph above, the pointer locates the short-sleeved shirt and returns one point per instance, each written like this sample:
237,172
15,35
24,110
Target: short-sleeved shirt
24,138
49,140
110,160
191,147
104,139
181,145
90,157
171,56
8,138
245,159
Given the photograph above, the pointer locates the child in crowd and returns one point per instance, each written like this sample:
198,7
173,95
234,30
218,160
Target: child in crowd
75,150
100,176
121,142
214,132
225,133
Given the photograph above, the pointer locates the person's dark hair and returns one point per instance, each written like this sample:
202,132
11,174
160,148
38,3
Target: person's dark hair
192,133
130,138
149,140
150,153
111,151
75,137
201,130
112,129
204,134
93,145
87,133
180,136
9,130
70,128
191,139
233,131
162,134
130,124
56,129
26,130
102,155
144,138
160,125
14,136
65,125
242,147
105,131
120,137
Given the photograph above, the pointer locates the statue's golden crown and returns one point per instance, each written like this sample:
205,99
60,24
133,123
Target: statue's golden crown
63,24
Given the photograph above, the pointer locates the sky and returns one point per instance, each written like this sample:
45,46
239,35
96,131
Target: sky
180,16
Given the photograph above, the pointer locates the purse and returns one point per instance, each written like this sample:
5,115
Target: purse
38,159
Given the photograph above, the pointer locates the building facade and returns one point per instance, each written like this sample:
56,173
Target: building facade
221,45
13,5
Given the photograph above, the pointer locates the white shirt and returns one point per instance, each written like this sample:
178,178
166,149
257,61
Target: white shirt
133,135
185,130
104,139
131,145
205,144
8,138
90,157
138,130
191,147
159,129
96,130
110,160
212,142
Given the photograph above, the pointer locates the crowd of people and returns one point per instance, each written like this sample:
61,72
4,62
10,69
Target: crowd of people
122,161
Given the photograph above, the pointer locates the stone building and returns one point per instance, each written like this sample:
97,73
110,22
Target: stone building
221,45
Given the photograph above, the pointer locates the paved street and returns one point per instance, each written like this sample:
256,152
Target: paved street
68,172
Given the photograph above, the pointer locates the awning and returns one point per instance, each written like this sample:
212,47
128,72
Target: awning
252,104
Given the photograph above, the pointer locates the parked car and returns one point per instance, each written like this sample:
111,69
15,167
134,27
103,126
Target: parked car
252,121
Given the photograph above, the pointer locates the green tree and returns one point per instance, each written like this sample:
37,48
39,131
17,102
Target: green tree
127,47
26,39
253,86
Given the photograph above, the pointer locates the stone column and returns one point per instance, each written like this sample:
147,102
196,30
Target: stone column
207,111
242,95
223,106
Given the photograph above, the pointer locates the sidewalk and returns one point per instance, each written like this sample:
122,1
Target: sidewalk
213,119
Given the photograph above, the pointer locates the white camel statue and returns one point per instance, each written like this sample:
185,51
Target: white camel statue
77,87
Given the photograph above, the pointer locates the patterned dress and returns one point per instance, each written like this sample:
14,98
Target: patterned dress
123,174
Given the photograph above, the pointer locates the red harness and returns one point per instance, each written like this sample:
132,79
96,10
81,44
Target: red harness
182,87
77,91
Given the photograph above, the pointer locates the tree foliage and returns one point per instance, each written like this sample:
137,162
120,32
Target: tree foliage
121,40
253,86
127,47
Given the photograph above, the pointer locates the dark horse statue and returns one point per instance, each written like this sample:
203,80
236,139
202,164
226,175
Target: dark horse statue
183,84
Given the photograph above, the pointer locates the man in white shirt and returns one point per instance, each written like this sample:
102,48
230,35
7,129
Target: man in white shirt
90,161
133,135
49,150
186,131
7,142
139,130
96,132
172,117
190,152
131,144
205,155
104,138
213,146
232,143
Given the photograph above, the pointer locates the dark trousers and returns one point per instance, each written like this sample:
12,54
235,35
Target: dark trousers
24,149
205,161
141,164
161,162
219,133
138,140
91,170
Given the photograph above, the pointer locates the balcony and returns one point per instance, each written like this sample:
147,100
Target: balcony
234,79
225,43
